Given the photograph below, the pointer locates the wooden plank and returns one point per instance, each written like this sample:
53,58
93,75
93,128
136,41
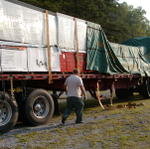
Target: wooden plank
48,47
77,46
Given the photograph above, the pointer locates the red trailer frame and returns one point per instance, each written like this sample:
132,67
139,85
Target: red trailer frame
26,93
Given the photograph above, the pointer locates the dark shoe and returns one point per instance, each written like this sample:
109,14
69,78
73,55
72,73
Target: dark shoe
79,122
63,120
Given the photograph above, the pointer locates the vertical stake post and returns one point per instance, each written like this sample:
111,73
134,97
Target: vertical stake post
77,46
48,47
12,88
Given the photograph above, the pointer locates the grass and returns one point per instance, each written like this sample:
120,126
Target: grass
122,128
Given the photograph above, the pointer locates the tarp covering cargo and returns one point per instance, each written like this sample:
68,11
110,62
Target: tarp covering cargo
28,59
27,27
20,24
71,32
24,26
140,41
106,57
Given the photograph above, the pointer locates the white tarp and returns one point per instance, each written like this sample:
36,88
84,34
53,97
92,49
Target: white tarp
55,59
66,28
37,60
26,27
67,32
20,24
13,60
33,22
29,60
52,29
81,33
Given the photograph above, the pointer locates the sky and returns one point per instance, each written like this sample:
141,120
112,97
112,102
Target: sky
136,3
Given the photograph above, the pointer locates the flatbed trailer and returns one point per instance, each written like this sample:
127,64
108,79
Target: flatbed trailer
33,96
28,96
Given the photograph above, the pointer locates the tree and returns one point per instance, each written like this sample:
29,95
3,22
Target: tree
119,21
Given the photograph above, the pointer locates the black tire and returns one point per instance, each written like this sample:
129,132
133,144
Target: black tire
8,112
123,93
145,89
55,99
39,107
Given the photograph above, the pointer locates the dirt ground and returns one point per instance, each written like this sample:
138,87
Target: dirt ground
123,126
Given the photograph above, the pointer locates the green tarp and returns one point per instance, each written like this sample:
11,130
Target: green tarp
111,58
140,41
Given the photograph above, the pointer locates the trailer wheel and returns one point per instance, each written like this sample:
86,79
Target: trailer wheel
8,112
123,93
39,107
145,89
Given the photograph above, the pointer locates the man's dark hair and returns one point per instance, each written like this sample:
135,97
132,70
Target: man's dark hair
76,71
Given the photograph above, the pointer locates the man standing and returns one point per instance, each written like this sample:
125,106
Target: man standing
75,89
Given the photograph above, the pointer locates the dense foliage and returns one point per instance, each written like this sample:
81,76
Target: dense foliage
119,21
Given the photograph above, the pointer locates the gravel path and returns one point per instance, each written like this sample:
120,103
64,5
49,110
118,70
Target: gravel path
112,128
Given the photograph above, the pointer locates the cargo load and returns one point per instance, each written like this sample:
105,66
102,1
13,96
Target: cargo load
26,27
39,49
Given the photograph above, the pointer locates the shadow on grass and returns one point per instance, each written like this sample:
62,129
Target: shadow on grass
94,102
88,104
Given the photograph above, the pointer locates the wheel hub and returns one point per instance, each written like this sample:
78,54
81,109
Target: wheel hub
5,113
40,107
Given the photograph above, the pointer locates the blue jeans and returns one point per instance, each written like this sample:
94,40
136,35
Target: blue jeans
74,103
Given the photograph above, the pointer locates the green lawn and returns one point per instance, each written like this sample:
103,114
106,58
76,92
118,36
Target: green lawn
114,128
